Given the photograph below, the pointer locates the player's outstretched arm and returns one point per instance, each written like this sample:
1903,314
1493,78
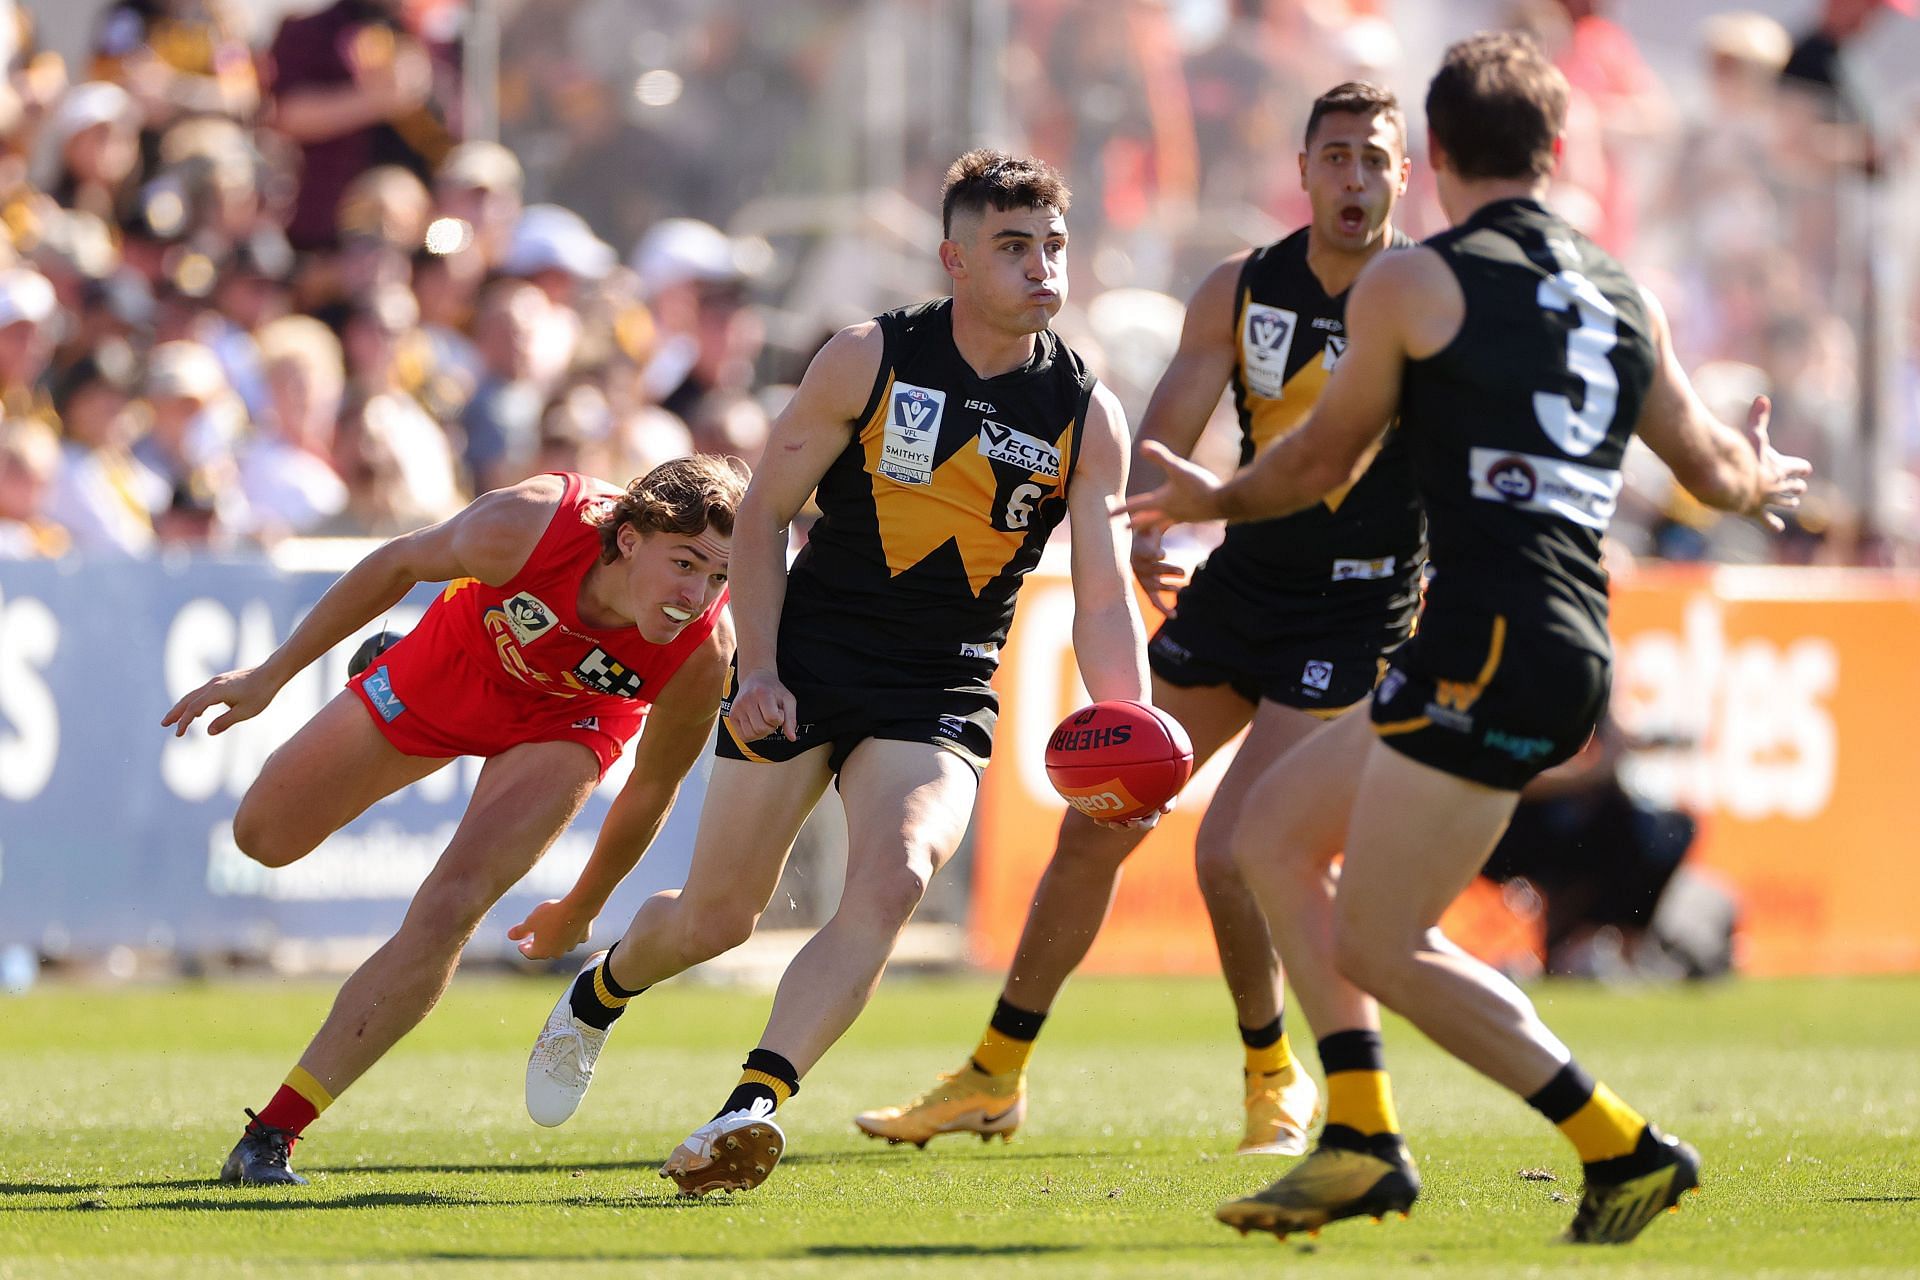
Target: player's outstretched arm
678,729
490,539
1183,402
1733,470
1109,641
1400,300
805,439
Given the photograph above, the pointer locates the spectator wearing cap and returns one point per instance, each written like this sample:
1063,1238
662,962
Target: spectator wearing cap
355,88
102,495
502,421
29,460
286,469
480,185
194,426
386,369
27,307
556,250
97,130
708,338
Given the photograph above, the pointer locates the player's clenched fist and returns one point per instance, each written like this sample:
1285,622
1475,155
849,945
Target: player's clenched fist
762,707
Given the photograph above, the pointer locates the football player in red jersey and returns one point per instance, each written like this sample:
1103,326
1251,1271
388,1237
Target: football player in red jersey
574,613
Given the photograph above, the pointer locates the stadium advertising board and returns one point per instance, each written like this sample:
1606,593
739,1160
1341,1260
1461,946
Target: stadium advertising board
1793,691
114,831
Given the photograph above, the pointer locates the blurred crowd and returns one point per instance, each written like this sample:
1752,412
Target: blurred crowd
255,284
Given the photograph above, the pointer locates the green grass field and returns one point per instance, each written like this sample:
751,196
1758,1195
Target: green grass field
117,1107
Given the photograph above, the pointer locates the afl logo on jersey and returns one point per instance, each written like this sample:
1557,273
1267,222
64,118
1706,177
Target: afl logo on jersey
1512,479
528,617
913,432
1265,343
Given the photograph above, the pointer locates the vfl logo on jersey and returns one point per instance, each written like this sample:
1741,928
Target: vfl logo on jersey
1363,570
598,670
528,617
1550,486
1265,343
1016,448
913,431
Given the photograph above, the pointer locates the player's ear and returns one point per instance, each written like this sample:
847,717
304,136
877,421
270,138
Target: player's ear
1406,174
1559,150
953,258
1303,170
628,540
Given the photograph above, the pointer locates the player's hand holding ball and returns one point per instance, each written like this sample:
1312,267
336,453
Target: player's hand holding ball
1120,763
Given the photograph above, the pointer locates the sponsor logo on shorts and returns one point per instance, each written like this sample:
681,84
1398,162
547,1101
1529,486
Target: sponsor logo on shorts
600,670
1521,749
591,724
1264,346
952,726
1550,486
1364,570
1447,718
379,687
1002,443
989,651
528,617
1166,644
913,431
1392,683
1317,675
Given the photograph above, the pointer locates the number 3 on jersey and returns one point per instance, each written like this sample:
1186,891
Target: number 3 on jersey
1578,432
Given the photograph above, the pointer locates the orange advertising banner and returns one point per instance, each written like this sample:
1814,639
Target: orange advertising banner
1798,690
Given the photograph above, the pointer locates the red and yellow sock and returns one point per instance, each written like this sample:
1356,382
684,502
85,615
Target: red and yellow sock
297,1104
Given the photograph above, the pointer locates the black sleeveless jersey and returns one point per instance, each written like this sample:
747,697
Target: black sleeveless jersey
1351,561
940,504
1517,427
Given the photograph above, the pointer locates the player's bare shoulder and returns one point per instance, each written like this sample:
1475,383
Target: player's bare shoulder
840,379
1415,293
499,530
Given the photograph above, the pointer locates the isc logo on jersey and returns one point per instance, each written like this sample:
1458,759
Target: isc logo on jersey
913,432
1003,444
1264,346
528,617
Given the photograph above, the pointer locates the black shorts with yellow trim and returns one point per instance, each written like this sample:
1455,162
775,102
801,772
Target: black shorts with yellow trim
1322,671
961,719
1470,697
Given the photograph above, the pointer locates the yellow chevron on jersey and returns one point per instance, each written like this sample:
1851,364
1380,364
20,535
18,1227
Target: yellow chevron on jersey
456,586
961,503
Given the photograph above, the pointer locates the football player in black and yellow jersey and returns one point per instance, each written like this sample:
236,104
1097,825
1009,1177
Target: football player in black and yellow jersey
1518,358
1282,628
945,442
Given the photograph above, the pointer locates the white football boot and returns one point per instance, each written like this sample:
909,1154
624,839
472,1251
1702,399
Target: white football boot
561,1065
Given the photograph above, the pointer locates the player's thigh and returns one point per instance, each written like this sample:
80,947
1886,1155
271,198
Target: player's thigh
748,822
1276,730
523,799
1296,808
908,804
328,773
1210,713
1417,837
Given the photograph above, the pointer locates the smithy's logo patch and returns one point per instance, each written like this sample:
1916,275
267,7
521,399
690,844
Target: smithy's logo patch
1016,448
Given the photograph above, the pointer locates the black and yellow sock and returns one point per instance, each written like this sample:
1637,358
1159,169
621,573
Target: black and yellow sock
1268,1052
596,998
765,1074
1359,1095
1008,1042
1598,1124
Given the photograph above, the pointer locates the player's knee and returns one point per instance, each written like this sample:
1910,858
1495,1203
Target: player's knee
269,843
1367,962
888,899
709,933
445,915
1215,865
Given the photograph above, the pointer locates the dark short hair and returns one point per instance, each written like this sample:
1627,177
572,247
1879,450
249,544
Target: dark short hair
1358,98
985,177
686,496
1496,107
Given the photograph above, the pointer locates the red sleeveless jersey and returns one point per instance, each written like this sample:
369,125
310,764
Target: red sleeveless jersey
489,668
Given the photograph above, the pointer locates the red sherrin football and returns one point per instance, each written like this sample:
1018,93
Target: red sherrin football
1118,760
